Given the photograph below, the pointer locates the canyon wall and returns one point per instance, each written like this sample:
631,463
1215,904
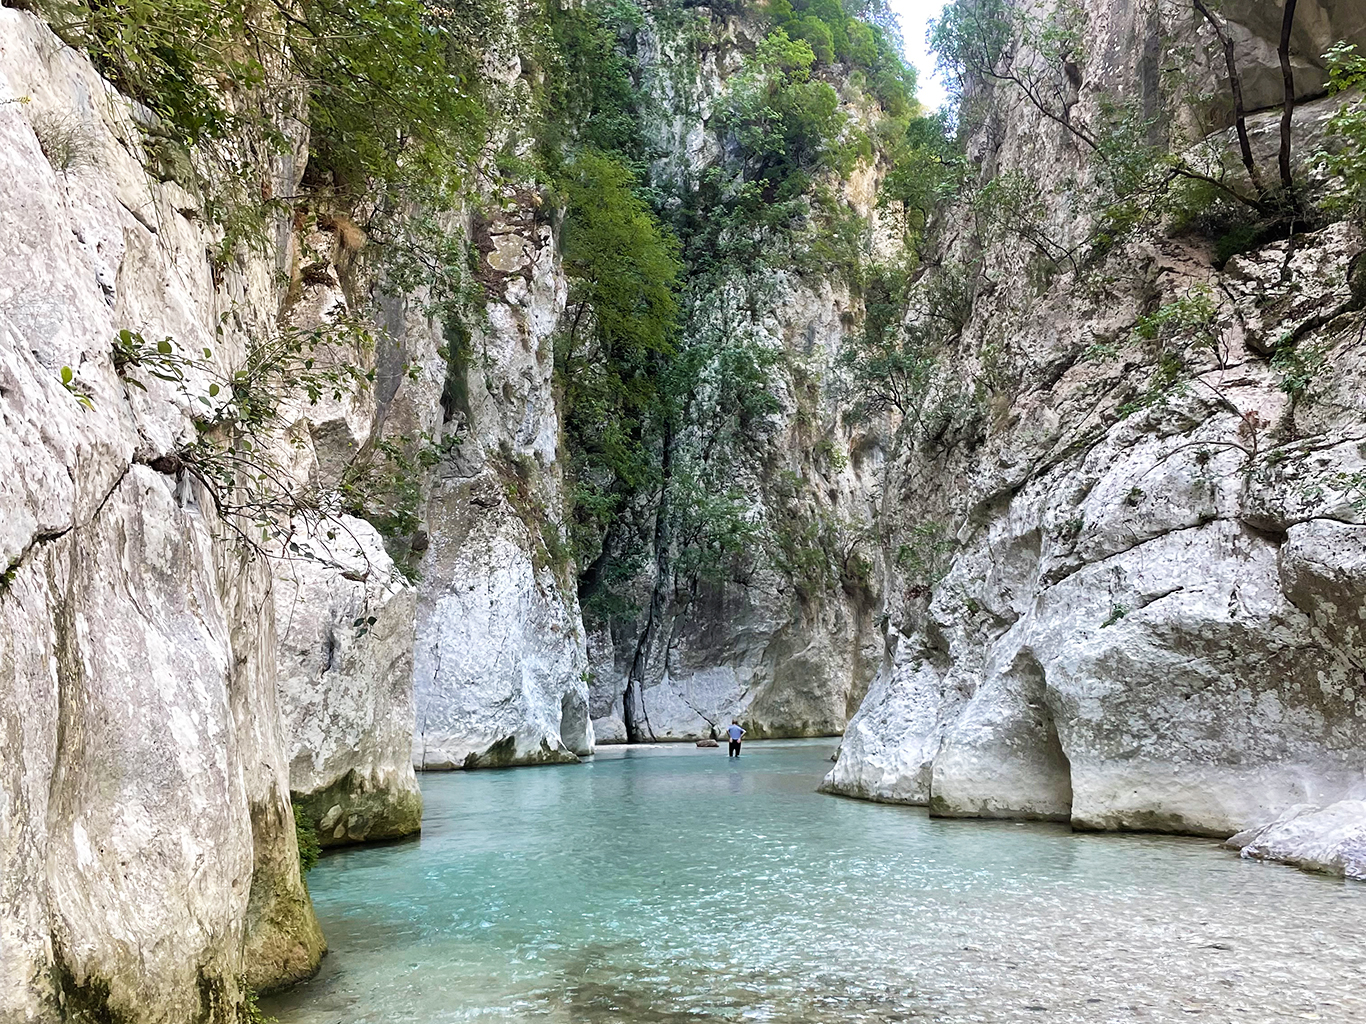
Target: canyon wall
784,640
1060,585
1114,602
147,848
176,691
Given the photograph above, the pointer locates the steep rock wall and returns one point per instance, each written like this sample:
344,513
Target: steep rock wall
500,666
1139,620
785,656
147,849
345,621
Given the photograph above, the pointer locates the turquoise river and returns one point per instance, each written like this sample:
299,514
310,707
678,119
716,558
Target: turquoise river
672,884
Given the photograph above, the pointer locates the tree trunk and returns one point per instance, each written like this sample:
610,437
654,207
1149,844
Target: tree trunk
1235,82
637,720
1288,111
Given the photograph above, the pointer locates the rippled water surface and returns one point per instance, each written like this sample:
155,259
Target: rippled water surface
673,884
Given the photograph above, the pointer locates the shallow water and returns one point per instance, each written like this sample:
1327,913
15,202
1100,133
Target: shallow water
673,884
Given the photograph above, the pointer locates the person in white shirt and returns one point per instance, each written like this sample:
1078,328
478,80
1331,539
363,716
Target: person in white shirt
735,732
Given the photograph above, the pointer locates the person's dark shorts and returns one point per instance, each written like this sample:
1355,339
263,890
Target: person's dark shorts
734,748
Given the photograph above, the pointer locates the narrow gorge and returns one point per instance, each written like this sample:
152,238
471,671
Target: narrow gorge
398,389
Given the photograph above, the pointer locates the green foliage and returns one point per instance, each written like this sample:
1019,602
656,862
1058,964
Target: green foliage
623,264
925,556
1180,329
183,59
1116,613
1345,156
1006,42
1170,378
1206,209
971,38
714,528
325,361
249,1012
1300,366
524,491
1011,204
888,366
788,124
775,205
384,483
816,549
927,167
306,835
73,388
1138,168
237,454
590,99
828,452
834,33
1070,528
621,320
1194,317
391,108
69,141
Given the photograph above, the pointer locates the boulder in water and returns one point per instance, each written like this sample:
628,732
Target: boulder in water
707,743
1331,840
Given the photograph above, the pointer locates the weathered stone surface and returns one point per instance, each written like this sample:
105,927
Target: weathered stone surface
500,664
889,747
1331,840
1256,29
1140,616
345,684
148,866
500,661
283,941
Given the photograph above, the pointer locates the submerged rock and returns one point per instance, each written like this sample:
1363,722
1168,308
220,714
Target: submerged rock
1331,840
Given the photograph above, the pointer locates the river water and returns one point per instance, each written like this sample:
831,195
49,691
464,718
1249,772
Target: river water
676,885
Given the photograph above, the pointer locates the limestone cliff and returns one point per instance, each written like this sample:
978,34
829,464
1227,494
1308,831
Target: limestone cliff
781,635
147,848
1114,601
501,664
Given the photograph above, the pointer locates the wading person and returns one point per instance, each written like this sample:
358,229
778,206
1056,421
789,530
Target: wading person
735,733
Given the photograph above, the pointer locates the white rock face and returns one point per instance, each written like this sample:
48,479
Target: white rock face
1331,840
148,865
1146,620
345,624
889,747
500,670
500,660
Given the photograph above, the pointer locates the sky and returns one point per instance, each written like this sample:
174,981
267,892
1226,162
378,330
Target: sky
915,16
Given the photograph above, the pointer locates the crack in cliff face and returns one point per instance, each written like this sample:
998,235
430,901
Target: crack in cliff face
41,538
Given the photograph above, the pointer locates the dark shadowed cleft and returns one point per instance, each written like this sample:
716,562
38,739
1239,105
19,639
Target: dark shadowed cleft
83,1001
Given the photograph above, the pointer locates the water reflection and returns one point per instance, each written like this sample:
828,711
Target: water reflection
675,885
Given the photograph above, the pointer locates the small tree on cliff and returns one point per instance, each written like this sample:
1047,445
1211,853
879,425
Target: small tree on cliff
1041,60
